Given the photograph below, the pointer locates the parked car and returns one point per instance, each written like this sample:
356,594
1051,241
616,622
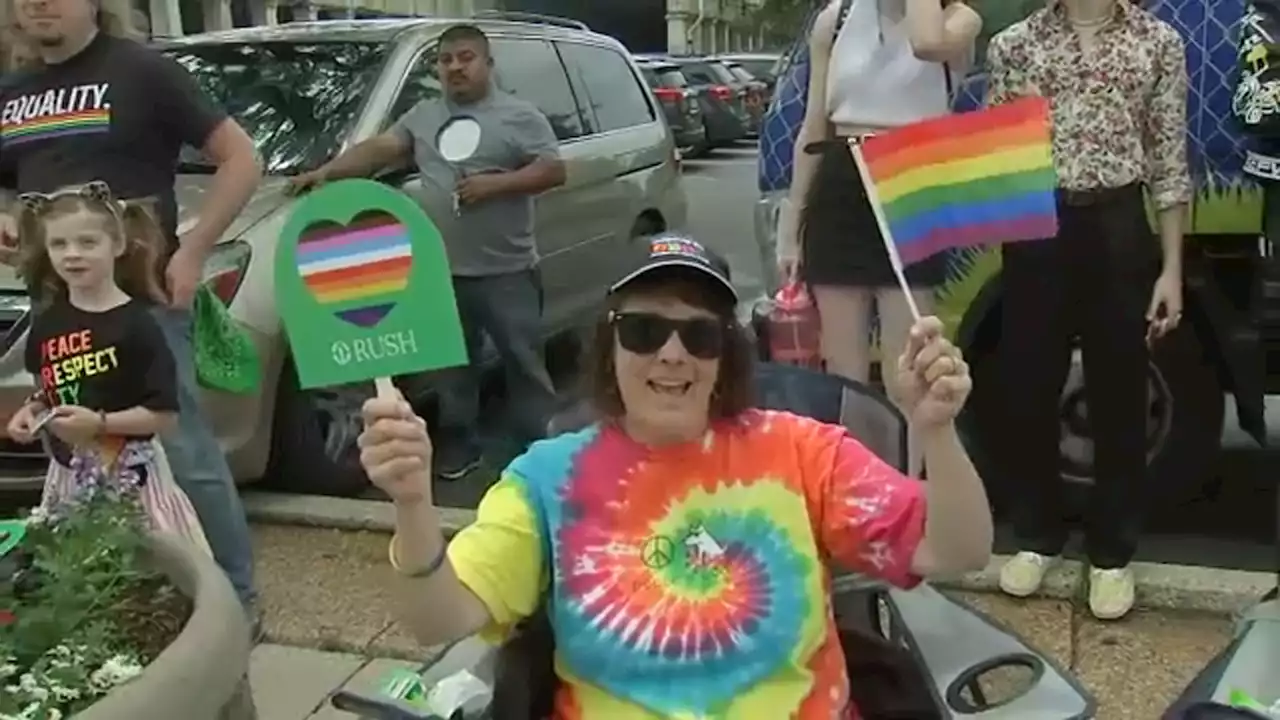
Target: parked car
762,66
304,92
723,109
679,102
757,98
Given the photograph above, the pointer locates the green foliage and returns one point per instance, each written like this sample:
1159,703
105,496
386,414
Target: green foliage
782,20
66,645
1227,209
1000,14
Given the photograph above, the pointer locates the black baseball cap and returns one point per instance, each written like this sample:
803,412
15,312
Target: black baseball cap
670,251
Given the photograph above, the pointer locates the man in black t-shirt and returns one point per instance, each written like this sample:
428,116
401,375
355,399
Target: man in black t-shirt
98,107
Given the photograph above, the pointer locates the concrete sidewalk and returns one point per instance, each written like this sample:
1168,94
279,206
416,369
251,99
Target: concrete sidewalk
292,683
324,589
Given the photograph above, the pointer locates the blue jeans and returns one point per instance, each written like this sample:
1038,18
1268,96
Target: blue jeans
508,309
199,466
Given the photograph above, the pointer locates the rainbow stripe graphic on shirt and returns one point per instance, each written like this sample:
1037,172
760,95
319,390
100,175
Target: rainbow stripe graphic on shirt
55,113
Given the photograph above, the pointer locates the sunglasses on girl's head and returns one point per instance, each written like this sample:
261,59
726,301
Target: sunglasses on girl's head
646,333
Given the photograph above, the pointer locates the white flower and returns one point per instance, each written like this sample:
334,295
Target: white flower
8,669
32,688
38,516
62,693
60,651
115,671
30,712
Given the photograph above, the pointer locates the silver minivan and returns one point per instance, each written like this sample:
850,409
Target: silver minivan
304,92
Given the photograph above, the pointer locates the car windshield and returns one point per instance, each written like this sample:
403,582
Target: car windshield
670,77
298,101
722,72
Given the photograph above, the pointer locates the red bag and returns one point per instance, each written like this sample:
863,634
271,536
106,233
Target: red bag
794,329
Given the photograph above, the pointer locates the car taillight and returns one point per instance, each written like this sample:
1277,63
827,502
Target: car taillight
225,269
665,94
721,92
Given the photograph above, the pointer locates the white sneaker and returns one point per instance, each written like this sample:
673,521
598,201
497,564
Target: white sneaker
1111,592
1024,573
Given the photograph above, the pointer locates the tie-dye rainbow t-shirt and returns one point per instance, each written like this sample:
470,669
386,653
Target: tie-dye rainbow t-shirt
691,581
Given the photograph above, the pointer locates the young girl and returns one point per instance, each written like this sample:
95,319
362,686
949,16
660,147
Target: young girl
101,362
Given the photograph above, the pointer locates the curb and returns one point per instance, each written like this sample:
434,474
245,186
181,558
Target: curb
1160,586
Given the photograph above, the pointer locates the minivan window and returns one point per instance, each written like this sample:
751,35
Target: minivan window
531,70
606,86
422,83
297,101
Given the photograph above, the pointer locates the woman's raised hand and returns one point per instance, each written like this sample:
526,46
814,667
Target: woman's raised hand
395,450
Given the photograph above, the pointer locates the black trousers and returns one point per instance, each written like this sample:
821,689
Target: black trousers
1092,283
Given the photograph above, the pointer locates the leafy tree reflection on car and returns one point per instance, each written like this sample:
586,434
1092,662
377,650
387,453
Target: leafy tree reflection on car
297,101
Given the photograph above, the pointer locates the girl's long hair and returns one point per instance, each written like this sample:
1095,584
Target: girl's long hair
137,270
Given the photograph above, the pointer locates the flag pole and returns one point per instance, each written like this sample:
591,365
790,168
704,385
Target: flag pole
895,260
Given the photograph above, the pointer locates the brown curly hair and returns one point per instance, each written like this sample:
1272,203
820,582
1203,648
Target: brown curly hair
133,222
734,390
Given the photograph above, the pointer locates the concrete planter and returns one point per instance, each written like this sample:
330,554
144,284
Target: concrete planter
203,675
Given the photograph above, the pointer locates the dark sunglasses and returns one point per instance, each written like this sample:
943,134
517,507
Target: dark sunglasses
646,333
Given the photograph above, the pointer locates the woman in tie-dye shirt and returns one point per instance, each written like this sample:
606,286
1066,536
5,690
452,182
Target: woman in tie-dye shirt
683,544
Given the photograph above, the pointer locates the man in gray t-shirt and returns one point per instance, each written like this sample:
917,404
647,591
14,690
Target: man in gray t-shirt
483,206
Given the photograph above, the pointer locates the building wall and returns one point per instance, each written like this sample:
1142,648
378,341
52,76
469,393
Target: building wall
710,26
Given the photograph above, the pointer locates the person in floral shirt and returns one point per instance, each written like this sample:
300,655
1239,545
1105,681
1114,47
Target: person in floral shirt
1117,80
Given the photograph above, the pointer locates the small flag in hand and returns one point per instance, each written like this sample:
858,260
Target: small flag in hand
978,178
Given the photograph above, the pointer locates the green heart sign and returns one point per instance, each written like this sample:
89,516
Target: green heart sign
363,287
11,534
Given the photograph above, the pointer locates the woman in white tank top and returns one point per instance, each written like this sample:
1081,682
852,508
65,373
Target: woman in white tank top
884,64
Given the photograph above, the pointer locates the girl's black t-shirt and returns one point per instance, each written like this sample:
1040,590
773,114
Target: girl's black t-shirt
104,361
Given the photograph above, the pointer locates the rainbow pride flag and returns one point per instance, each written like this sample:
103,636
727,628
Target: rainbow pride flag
977,178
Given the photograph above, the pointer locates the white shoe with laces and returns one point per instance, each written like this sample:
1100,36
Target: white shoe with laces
1111,592
1024,573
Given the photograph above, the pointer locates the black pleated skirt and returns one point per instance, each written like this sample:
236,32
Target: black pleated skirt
840,240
